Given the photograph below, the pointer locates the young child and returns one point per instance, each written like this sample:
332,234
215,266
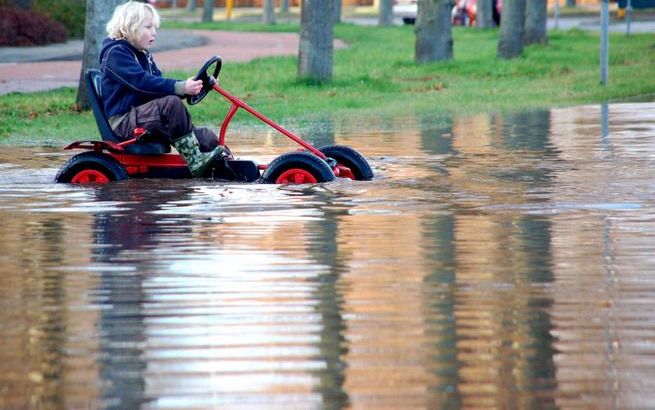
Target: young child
135,94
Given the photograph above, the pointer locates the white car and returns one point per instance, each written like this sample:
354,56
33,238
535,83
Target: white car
405,9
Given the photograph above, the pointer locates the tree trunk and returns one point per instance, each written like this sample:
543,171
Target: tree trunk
191,5
433,28
337,11
284,6
316,40
269,12
536,16
98,13
208,12
510,42
385,17
484,17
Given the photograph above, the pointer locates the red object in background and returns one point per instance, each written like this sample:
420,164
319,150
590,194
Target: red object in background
465,12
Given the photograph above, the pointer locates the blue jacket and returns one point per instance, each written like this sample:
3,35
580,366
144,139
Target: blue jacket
130,77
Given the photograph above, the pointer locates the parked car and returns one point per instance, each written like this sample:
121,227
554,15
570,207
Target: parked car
405,9
464,12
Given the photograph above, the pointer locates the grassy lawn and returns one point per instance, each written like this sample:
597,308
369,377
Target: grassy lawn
376,76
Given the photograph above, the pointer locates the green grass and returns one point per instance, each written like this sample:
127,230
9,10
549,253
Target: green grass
376,76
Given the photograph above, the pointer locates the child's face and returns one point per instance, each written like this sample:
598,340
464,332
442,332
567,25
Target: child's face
148,33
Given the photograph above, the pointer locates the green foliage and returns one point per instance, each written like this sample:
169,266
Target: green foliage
375,75
70,13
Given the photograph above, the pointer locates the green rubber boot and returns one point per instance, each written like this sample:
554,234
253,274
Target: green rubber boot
197,161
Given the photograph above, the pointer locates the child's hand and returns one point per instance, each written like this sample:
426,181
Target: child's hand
192,87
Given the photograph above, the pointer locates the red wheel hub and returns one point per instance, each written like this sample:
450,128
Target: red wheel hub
89,176
296,176
343,171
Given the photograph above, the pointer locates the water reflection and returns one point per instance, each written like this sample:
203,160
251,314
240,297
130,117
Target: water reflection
496,261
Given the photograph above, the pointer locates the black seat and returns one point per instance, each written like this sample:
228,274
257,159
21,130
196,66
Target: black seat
94,90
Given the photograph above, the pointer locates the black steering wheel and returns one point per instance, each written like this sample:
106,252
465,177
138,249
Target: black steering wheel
207,79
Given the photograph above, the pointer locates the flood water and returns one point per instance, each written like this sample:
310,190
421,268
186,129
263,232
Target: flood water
496,261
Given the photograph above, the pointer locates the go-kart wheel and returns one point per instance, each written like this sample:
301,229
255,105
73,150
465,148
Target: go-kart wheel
207,79
348,157
91,168
297,168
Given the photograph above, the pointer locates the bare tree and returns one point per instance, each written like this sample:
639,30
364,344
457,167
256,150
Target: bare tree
536,17
208,11
98,13
484,18
316,40
433,28
385,17
269,12
191,5
510,42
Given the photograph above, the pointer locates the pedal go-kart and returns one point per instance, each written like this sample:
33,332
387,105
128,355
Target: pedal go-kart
144,157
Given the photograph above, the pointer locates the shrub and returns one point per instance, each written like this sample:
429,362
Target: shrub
70,13
27,28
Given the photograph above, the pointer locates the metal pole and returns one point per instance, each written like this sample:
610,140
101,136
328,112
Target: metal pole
628,17
604,41
556,11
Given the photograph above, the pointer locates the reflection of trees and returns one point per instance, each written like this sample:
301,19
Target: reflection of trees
326,252
525,130
436,135
121,322
441,323
525,136
44,307
322,132
122,327
491,346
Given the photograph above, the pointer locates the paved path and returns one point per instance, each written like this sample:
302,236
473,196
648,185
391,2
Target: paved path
21,73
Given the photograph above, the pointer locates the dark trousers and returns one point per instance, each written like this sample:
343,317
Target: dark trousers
167,119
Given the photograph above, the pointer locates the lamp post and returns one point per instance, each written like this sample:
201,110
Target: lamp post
628,17
604,41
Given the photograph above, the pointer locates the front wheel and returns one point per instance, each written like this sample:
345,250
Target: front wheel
91,168
297,168
349,158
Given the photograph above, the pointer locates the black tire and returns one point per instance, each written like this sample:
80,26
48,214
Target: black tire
350,158
91,161
302,160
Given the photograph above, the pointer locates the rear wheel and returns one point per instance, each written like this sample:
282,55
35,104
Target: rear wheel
297,168
91,168
349,158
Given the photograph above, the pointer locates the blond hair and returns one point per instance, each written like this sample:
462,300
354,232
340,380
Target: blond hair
127,19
